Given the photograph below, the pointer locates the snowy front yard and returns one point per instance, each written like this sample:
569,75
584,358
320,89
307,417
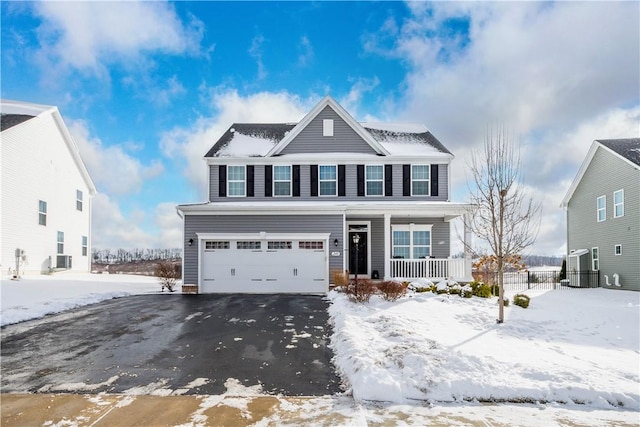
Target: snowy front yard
574,346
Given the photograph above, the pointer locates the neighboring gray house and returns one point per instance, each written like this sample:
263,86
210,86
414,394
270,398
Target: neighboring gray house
292,203
603,214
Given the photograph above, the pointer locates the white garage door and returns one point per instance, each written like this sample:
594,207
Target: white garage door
264,265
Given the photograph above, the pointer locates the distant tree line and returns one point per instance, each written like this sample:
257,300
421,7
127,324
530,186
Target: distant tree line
119,256
532,260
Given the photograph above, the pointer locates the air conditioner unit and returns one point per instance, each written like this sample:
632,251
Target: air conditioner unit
63,261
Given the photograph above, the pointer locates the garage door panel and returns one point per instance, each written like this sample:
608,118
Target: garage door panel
286,266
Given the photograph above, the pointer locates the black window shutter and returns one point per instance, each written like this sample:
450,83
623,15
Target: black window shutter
296,181
388,180
406,180
222,181
342,186
250,181
360,173
268,178
434,180
313,175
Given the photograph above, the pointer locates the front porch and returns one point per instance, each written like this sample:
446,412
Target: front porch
434,269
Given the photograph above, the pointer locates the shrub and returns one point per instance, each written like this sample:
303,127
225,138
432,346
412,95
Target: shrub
441,288
391,290
467,291
506,302
483,291
340,278
167,273
521,300
361,290
455,290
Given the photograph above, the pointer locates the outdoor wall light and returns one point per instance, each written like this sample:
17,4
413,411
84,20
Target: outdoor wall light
190,242
335,242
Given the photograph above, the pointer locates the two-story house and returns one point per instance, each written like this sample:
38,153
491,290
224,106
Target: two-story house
46,192
603,216
291,203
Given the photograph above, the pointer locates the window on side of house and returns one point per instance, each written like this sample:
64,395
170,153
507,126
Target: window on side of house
42,212
328,180
618,203
601,208
617,250
374,178
327,127
85,245
236,186
79,200
420,175
595,259
282,181
411,241
60,242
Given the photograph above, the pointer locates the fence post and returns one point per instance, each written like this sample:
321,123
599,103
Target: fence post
528,279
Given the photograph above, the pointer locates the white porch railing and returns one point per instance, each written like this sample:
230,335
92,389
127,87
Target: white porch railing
431,268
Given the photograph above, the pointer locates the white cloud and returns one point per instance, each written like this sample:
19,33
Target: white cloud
256,53
112,169
558,75
112,229
190,144
353,99
88,36
305,52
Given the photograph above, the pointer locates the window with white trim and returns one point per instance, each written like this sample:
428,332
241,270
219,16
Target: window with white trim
60,242
420,175
282,181
236,186
601,208
85,245
42,212
79,200
311,244
279,245
374,178
327,127
411,241
618,203
216,244
617,250
595,259
328,180
249,245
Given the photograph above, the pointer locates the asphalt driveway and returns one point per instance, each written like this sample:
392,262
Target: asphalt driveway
175,344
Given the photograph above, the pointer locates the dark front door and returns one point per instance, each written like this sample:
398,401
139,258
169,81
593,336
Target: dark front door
358,258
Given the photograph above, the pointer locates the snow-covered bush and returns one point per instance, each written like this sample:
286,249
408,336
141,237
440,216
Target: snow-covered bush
466,291
521,300
421,285
392,290
483,291
442,287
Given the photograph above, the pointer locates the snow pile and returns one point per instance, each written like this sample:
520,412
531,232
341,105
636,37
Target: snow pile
577,346
37,296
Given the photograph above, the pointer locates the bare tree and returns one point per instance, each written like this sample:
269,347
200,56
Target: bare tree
505,217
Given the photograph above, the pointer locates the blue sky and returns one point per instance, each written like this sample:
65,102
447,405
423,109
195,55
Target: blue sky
146,88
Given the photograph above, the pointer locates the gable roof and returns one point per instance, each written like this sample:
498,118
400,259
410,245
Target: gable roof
18,112
342,113
626,149
269,139
10,120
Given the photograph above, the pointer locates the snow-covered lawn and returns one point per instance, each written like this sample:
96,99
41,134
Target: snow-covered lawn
574,346
36,296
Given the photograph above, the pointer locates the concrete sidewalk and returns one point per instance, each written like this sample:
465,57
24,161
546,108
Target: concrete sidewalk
68,410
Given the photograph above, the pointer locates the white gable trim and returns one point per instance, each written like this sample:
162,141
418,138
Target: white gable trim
342,113
585,165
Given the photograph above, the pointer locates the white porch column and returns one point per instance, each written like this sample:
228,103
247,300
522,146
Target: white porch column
387,246
467,248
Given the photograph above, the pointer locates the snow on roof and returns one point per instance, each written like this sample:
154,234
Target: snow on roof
402,147
246,145
396,127
8,106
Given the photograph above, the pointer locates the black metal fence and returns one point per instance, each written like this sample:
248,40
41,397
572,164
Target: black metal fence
543,280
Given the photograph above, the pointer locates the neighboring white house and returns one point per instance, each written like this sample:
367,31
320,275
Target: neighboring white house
46,192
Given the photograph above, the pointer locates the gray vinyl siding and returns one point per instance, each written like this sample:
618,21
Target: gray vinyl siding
605,174
254,224
344,139
351,186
